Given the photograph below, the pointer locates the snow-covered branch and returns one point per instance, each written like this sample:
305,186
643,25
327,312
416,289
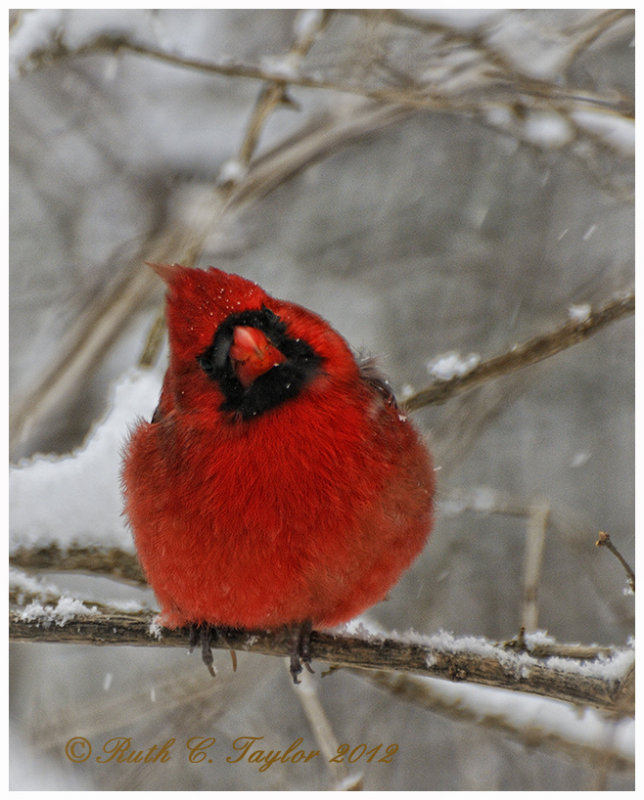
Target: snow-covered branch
604,682
490,69
585,736
582,322
479,72
431,181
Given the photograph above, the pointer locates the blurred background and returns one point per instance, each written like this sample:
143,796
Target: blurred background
430,182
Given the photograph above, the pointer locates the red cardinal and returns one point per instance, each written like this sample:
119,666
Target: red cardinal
277,483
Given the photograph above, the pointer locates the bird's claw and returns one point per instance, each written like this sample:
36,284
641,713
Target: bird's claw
300,648
204,635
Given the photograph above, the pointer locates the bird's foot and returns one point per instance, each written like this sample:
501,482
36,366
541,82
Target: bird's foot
300,648
204,635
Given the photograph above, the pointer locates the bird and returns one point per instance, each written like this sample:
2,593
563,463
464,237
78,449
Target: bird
278,485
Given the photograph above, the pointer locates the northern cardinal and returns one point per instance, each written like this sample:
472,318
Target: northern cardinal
278,484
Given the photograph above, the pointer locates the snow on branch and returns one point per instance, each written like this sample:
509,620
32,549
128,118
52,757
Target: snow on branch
605,682
588,736
487,72
470,63
575,330
85,541
436,91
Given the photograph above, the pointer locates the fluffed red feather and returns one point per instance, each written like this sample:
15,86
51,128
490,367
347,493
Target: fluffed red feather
309,511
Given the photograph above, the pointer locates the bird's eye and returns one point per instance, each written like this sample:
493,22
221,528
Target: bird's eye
270,316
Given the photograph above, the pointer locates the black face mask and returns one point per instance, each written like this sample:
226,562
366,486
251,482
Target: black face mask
275,386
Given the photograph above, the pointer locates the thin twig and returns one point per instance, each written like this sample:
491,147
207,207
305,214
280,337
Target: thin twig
537,349
154,340
182,240
604,540
89,338
596,27
273,93
537,525
307,694
424,97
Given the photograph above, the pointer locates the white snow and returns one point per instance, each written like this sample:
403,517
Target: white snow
518,664
613,129
452,506
22,583
482,499
364,627
76,498
547,129
604,667
36,31
598,667
41,589
534,638
128,606
499,116
155,628
285,67
579,313
541,716
232,170
67,608
452,364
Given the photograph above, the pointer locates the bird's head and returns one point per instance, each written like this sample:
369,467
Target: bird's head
229,336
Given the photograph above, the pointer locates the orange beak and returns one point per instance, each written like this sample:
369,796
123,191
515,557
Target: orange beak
252,354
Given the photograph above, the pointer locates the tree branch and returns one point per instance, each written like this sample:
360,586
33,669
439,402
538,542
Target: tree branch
603,540
507,83
534,350
467,659
273,93
536,731
111,563
181,240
